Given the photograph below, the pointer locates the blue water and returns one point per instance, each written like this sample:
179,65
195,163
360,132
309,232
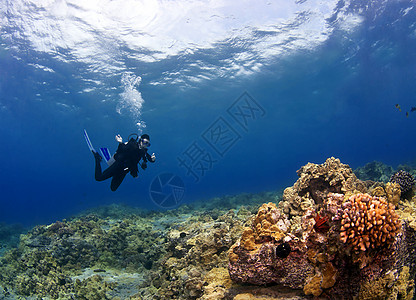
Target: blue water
323,76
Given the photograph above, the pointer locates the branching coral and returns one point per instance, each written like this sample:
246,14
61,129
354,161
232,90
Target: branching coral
368,222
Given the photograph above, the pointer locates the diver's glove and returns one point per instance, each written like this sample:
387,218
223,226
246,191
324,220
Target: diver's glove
119,138
144,166
153,157
134,173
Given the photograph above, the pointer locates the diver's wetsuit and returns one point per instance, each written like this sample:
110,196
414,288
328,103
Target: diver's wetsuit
126,158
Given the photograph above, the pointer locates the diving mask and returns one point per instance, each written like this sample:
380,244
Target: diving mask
145,143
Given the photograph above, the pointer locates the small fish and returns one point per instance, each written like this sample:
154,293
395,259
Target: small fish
413,109
407,114
398,107
99,270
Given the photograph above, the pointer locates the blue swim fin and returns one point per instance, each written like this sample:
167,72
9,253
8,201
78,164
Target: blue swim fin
105,152
87,139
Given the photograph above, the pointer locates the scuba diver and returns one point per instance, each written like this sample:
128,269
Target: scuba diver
125,160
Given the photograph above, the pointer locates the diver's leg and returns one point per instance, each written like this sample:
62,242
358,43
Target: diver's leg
98,172
117,180
109,172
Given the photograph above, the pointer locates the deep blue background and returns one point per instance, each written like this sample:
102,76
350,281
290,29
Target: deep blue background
338,100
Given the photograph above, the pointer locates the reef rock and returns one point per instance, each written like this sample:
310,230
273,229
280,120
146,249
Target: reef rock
344,244
315,182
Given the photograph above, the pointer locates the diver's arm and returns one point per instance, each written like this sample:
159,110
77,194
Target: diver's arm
151,158
121,146
120,139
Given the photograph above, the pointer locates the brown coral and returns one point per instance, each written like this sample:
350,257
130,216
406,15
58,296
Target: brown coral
368,223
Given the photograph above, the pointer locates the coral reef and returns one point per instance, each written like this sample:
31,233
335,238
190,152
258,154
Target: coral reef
407,211
49,256
217,283
368,223
404,179
93,288
341,238
330,236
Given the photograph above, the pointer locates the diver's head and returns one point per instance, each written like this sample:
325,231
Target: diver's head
144,141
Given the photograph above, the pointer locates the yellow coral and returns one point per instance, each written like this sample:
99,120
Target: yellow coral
269,224
313,286
248,241
217,282
393,192
408,212
390,286
378,192
325,276
328,276
266,220
368,222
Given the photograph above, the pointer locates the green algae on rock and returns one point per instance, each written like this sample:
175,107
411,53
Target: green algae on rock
119,254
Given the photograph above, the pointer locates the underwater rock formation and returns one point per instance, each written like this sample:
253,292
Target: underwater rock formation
374,171
343,243
9,236
315,182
